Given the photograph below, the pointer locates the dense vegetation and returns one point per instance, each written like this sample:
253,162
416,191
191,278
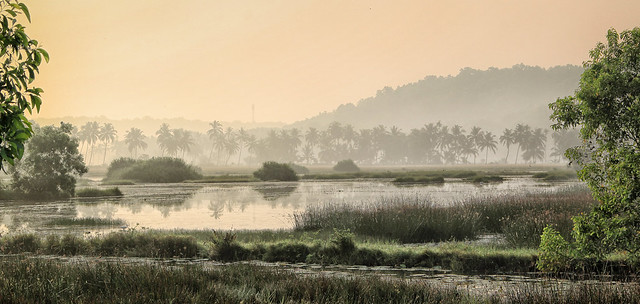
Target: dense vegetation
275,171
154,170
51,165
346,165
607,110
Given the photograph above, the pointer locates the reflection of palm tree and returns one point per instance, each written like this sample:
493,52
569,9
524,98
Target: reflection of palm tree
507,139
108,134
135,140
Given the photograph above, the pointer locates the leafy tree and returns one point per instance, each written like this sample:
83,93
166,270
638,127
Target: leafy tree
20,58
49,168
607,107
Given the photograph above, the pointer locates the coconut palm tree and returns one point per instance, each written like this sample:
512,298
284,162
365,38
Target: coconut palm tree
487,142
507,139
231,145
242,137
107,134
215,134
135,140
92,134
164,136
183,140
521,135
535,146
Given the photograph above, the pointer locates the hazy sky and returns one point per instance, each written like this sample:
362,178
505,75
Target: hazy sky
211,60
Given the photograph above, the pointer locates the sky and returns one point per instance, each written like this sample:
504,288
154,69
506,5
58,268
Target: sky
213,60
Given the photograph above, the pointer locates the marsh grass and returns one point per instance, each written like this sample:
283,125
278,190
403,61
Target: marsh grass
404,220
95,192
86,222
118,182
557,175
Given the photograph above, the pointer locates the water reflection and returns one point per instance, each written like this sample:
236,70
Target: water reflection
241,206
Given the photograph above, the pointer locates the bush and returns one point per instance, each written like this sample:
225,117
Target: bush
95,192
275,171
155,170
346,165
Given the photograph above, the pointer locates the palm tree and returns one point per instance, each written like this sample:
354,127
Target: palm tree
534,147
230,144
507,139
476,135
164,136
108,134
521,135
183,140
90,131
243,138
215,135
135,140
487,142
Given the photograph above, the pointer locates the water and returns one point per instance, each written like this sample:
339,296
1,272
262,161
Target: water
237,206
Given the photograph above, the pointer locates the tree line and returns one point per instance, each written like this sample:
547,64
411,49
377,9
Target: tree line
433,143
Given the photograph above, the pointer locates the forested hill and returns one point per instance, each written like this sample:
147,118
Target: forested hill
493,99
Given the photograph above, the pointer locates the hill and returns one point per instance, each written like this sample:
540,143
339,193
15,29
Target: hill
492,98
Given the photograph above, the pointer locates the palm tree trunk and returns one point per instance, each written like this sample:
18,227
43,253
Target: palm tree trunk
104,158
239,153
486,156
517,152
506,159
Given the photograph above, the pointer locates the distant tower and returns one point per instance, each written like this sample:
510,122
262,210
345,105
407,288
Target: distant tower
253,113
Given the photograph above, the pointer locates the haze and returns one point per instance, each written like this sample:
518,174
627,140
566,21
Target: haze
213,60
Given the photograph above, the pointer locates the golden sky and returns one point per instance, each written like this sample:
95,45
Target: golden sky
211,59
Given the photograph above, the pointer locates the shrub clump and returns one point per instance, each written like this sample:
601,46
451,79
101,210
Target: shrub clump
276,171
154,170
346,165
95,192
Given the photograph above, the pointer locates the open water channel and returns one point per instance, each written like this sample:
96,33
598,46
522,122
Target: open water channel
239,206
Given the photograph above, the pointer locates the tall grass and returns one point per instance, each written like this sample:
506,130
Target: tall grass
520,218
29,280
411,220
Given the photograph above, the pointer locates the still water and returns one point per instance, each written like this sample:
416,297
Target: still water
238,206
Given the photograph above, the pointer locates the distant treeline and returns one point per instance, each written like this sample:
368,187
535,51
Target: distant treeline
433,143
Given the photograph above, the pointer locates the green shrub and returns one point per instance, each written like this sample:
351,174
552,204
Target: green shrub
154,170
555,252
346,165
20,243
95,192
226,248
275,171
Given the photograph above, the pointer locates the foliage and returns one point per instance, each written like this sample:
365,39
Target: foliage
95,192
607,107
49,169
275,171
154,170
20,58
346,165
554,251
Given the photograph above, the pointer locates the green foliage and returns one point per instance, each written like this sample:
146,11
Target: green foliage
20,58
154,170
346,165
555,251
95,192
275,171
49,169
607,107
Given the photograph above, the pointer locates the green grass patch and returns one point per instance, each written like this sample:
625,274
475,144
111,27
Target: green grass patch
86,222
419,180
95,192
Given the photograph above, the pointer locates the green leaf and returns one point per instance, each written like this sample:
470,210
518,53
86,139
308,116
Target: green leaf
36,101
25,10
4,155
44,54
